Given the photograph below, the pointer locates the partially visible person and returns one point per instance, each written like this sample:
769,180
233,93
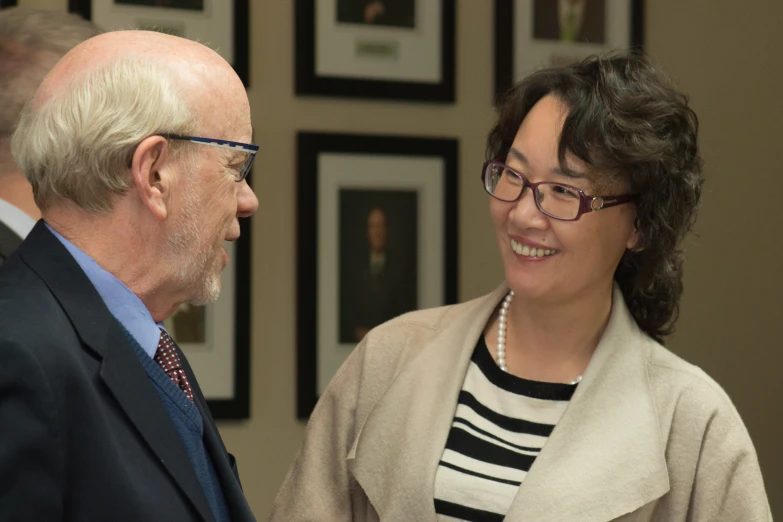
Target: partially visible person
31,42
553,397
136,146
378,289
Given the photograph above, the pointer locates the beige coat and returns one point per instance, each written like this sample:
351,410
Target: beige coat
646,436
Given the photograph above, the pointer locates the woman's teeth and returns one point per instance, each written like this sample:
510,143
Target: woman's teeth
524,250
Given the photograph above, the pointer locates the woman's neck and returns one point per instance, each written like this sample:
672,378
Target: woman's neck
552,342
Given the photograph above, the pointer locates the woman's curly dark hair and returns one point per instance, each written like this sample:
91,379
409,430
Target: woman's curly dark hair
626,119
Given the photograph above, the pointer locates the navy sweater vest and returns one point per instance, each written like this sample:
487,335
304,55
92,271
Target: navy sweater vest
187,420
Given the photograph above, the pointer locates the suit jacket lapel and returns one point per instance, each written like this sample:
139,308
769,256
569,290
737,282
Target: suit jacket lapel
396,454
605,457
120,369
229,481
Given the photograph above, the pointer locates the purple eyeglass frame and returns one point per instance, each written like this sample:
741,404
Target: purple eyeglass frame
586,203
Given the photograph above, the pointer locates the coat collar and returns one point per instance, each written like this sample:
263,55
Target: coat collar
120,369
604,459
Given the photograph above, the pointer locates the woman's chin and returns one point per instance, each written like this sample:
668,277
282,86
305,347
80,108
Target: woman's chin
527,287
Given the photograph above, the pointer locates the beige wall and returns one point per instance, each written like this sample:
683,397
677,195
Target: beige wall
720,51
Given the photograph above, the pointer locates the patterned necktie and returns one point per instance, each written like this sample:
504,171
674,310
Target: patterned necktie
167,358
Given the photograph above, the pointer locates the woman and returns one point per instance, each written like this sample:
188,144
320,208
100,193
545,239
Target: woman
551,398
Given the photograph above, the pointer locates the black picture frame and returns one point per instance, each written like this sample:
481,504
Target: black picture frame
310,147
308,82
504,39
241,33
7,3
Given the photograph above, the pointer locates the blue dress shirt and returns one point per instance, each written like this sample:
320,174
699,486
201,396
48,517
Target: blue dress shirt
123,304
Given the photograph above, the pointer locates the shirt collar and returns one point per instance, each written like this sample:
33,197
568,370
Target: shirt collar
123,304
16,219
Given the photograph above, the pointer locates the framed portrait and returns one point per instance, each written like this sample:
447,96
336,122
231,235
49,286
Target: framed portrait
393,49
222,25
530,34
377,237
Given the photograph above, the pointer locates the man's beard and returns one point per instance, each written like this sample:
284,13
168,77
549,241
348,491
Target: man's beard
198,272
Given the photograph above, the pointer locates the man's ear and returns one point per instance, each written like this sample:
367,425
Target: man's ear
151,172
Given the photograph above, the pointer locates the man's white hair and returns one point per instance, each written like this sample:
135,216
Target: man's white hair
78,144
31,42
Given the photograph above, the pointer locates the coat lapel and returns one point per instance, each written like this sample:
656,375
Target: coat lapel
232,489
604,459
120,369
396,454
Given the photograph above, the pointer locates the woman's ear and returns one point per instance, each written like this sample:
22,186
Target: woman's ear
149,168
633,239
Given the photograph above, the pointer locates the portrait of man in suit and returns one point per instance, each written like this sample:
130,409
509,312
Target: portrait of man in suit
391,13
137,147
192,5
188,324
378,259
570,20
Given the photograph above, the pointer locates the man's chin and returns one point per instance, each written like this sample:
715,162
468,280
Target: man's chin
209,293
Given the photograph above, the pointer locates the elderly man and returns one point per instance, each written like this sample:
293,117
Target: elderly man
136,148
31,42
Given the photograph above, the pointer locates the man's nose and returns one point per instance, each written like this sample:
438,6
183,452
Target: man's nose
247,202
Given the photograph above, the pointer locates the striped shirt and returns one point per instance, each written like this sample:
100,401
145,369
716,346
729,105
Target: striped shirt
500,425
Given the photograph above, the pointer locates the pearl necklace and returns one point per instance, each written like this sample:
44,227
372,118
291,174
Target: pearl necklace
502,324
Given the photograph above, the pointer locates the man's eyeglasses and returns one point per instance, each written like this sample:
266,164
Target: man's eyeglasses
556,200
250,150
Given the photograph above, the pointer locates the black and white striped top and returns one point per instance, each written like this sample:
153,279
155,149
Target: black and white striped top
500,425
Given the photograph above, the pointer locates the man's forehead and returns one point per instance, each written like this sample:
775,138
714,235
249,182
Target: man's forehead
192,59
225,118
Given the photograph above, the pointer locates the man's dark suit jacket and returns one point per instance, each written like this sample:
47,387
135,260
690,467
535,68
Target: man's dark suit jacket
83,434
9,241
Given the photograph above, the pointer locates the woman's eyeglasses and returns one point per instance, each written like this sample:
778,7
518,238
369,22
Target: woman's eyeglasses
556,200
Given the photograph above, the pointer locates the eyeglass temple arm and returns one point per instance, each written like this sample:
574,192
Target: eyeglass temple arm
592,204
167,136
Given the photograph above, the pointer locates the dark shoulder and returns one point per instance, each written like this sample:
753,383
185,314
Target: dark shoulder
30,316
